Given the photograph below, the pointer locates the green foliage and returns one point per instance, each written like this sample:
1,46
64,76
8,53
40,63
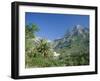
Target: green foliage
76,54
40,56
44,48
42,62
30,30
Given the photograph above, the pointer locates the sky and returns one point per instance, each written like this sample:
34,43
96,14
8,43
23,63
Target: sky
54,26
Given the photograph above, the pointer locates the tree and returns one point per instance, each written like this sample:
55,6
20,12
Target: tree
30,30
44,48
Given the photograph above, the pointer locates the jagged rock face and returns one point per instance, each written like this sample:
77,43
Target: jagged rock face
77,30
78,33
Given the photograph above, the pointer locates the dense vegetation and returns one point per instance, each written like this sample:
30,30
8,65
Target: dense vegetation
39,53
72,50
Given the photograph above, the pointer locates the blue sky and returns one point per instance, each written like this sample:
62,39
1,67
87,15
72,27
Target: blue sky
53,26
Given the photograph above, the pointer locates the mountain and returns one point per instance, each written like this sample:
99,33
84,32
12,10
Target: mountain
78,35
73,47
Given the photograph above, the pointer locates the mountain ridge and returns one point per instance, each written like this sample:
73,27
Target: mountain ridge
78,33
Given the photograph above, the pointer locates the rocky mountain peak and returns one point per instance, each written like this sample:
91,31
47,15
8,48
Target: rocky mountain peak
78,30
78,26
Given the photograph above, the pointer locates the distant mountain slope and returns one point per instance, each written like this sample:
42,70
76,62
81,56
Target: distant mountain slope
74,46
78,34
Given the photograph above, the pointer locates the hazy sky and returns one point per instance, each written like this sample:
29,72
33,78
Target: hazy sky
53,26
